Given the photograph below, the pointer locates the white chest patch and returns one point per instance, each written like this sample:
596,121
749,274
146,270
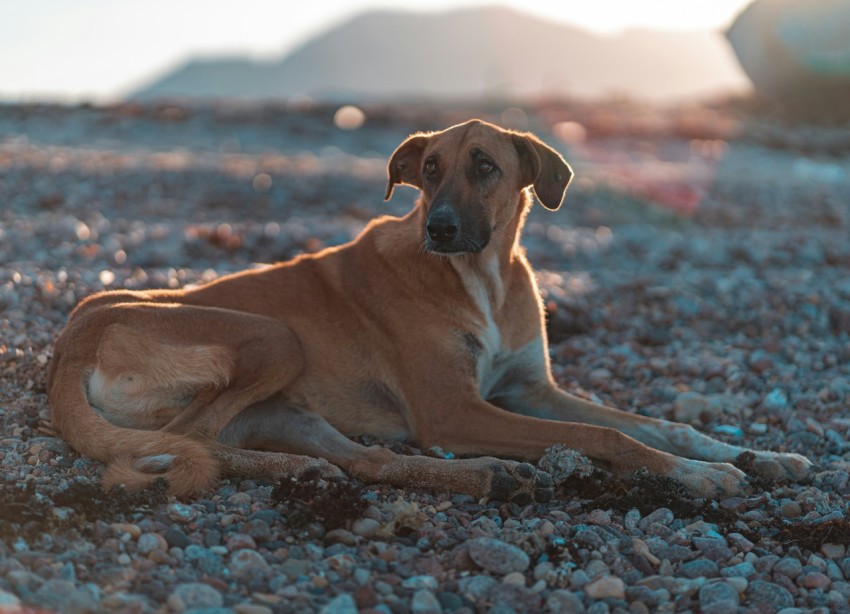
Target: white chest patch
484,286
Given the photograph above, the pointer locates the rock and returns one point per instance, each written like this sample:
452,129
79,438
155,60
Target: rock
561,463
791,509
246,564
775,400
769,594
182,513
421,583
788,566
607,587
700,567
476,588
342,604
715,594
176,538
496,556
564,602
8,601
424,602
194,595
833,551
814,579
365,527
741,570
149,542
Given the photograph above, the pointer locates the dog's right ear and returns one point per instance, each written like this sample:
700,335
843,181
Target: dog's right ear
406,164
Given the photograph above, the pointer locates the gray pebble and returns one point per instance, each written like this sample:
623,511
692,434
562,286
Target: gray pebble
342,604
769,594
424,602
700,567
194,595
788,566
246,564
476,588
497,556
718,594
561,601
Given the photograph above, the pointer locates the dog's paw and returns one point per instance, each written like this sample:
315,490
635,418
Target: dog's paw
320,469
780,466
710,479
519,483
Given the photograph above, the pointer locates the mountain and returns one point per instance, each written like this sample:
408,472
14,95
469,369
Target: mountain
490,51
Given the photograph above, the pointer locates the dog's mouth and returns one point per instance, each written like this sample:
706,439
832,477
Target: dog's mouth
461,245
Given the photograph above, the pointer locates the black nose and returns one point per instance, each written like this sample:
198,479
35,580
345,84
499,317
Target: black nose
442,226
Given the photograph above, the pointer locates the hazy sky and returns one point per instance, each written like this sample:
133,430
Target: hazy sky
97,50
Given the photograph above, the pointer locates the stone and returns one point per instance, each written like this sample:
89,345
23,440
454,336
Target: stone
788,566
814,579
715,594
194,595
496,556
342,604
424,602
741,570
791,509
246,564
421,582
833,551
564,602
607,587
476,588
700,567
769,594
365,527
148,542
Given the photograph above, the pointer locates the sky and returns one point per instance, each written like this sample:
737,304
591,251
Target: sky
99,50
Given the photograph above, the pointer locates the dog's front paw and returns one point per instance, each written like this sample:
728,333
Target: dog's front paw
519,483
777,465
710,479
319,469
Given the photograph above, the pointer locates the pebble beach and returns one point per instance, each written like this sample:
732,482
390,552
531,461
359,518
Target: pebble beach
698,271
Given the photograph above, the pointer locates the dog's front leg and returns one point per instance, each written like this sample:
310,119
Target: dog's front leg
482,428
273,424
545,400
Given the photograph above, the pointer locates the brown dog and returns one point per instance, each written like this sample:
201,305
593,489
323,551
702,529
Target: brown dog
427,328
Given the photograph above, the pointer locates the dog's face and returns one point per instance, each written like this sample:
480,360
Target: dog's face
471,176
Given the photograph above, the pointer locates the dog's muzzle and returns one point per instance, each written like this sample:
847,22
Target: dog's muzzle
443,230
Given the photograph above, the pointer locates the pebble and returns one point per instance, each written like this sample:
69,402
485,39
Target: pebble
769,594
716,594
497,556
180,512
788,566
425,602
607,587
247,564
564,602
792,509
342,604
833,551
194,595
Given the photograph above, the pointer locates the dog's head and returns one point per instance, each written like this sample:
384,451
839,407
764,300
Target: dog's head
471,176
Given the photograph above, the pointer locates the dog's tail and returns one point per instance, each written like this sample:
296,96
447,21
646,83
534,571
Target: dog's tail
134,458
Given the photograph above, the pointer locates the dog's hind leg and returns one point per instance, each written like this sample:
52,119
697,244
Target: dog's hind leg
273,425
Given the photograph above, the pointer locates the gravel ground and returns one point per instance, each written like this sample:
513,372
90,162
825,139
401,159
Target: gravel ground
698,271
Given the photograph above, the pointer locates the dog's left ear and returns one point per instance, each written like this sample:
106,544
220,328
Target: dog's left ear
544,168
405,164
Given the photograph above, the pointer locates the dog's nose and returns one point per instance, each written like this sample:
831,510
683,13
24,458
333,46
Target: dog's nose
442,226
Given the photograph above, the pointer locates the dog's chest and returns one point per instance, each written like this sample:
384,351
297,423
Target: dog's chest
484,343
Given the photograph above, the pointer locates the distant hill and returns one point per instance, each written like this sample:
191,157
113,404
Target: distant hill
466,53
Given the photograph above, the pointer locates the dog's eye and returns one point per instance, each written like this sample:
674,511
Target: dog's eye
430,168
485,167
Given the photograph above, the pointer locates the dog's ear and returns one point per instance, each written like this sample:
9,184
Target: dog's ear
544,168
405,165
